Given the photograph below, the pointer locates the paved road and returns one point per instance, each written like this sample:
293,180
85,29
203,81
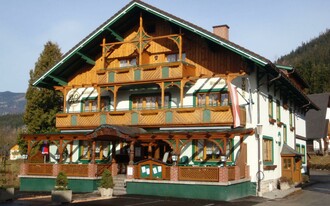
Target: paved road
317,193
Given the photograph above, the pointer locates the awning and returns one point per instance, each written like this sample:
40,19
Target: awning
112,132
288,151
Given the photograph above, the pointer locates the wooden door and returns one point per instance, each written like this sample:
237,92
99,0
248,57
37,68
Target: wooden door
287,167
297,169
291,168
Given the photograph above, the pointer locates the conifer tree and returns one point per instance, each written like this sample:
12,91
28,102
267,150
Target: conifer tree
42,104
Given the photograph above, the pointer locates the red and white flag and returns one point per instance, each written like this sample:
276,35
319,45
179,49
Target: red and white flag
234,103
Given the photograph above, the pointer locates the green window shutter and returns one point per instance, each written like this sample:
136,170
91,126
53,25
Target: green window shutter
206,115
165,72
111,77
135,118
169,117
74,120
103,119
137,74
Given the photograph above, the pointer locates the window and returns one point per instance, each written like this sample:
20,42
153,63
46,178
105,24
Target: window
127,62
291,118
298,148
303,151
267,148
105,103
230,150
287,163
270,106
150,101
101,150
89,105
285,134
278,110
175,57
212,99
206,150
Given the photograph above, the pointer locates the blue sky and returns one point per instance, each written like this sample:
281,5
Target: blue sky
267,27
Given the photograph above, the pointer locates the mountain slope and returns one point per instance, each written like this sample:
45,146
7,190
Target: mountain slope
312,60
12,103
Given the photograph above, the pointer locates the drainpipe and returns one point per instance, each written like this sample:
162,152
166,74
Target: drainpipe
258,139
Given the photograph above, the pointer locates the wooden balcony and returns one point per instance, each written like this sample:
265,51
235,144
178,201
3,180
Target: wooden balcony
167,70
217,116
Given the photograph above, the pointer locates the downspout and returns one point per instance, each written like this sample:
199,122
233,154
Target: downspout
258,139
276,78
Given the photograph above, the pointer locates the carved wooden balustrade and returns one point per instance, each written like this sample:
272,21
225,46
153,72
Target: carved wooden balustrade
163,70
71,170
221,115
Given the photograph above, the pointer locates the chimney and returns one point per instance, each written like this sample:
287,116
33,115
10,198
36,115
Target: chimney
221,31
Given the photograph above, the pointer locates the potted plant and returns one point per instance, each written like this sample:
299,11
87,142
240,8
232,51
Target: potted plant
284,183
106,184
61,193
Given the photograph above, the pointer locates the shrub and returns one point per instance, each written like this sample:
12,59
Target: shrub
106,180
61,182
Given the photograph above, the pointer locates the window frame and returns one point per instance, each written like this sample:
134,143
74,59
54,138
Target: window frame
229,153
88,155
303,151
270,107
278,110
270,140
144,101
285,134
223,98
91,101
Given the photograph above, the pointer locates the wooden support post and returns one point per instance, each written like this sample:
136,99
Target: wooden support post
131,153
93,152
98,99
113,152
181,93
104,53
163,94
65,92
115,90
60,150
150,150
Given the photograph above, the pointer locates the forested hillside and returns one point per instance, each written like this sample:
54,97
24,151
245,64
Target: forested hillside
312,60
10,124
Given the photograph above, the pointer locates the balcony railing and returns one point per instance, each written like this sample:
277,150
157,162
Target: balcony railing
166,70
221,115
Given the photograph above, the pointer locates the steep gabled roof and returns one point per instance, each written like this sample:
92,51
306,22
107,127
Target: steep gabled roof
90,46
54,76
316,123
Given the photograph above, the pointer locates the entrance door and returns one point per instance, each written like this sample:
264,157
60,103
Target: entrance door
287,167
297,169
291,168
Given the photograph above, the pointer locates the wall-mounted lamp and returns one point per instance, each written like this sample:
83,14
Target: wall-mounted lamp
278,141
174,158
223,158
57,157
259,129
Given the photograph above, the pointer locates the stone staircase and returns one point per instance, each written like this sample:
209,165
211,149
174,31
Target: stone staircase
120,188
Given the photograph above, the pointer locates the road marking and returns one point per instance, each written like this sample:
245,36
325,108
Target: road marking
209,204
146,203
